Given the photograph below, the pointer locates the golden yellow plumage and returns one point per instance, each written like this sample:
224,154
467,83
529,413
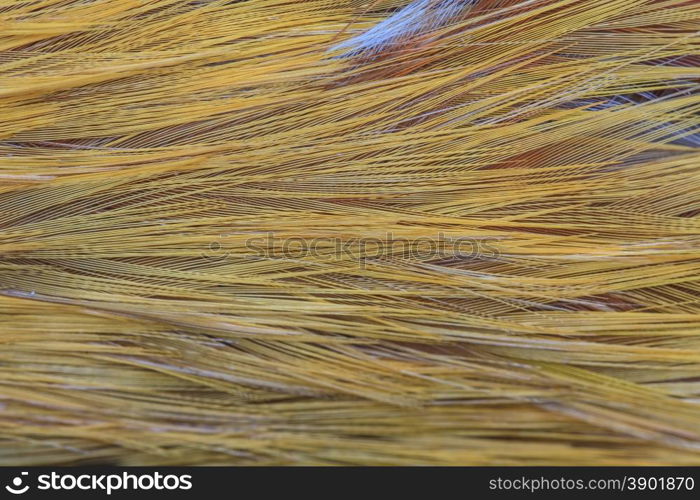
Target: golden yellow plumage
145,145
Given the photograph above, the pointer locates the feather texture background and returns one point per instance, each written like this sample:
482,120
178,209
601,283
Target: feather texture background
165,167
